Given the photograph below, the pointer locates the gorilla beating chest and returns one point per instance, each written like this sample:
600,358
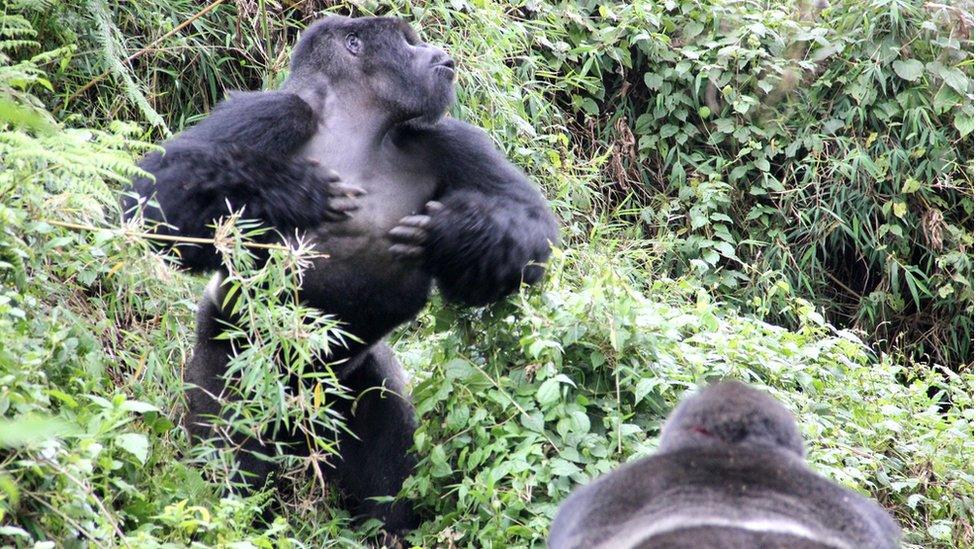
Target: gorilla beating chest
360,269
396,185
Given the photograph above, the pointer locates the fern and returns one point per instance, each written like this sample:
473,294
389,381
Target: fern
108,38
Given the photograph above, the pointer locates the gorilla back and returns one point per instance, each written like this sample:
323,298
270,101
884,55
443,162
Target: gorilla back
354,152
730,473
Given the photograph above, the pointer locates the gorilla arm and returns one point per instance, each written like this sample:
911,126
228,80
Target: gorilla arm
240,156
490,228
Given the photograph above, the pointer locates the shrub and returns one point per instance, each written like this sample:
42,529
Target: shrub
820,154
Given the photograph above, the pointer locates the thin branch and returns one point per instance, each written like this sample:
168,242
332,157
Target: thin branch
144,49
163,237
842,285
91,494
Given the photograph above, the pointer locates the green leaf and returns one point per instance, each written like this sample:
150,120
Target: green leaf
725,125
27,429
910,69
644,388
533,421
138,407
693,29
580,421
941,530
438,460
945,100
25,116
899,209
955,79
136,444
548,392
590,107
653,81
562,468
911,185
725,249
963,123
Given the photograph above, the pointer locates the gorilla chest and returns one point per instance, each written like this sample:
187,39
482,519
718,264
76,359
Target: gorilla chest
396,186
361,281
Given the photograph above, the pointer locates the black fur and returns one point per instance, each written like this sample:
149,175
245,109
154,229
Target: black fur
422,199
729,473
494,229
238,157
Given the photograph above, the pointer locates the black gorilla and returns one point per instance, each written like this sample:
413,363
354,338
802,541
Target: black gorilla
729,473
421,198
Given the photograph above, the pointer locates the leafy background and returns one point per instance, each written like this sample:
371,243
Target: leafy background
779,192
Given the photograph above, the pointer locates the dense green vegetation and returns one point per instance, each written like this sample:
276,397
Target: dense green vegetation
747,189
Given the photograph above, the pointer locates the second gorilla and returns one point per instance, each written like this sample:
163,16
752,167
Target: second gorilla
354,150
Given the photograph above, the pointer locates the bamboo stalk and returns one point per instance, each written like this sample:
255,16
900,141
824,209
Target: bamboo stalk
162,237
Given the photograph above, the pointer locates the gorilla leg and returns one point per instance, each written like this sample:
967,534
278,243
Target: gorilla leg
377,459
204,376
374,456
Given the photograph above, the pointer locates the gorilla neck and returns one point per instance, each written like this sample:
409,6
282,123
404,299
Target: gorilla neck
358,123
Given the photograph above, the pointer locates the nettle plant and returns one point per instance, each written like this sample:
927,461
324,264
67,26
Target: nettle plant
831,147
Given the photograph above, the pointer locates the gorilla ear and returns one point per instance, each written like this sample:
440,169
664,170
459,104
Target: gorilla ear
353,43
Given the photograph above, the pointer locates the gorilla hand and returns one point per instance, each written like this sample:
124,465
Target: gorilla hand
410,236
335,199
342,200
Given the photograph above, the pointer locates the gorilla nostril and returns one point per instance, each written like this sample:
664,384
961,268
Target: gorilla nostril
443,60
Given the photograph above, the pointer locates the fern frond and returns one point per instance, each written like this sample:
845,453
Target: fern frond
109,39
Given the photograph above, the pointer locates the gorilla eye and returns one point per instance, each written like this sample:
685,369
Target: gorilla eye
353,43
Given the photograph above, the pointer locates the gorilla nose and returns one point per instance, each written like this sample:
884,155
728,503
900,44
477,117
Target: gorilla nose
443,60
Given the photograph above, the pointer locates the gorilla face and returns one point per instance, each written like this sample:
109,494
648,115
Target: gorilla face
384,60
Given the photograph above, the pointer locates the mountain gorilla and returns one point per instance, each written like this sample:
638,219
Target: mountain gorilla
353,150
729,473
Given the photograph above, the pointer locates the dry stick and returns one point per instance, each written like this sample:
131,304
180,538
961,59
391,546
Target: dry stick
167,238
146,48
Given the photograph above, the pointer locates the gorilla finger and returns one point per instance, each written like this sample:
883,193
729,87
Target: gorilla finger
433,206
408,235
418,221
332,215
406,251
343,205
345,189
329,176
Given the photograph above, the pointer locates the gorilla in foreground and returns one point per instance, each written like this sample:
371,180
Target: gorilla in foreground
355,153
729,473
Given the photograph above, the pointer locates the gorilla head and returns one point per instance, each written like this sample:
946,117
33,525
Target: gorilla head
732,413
379,58
729,473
